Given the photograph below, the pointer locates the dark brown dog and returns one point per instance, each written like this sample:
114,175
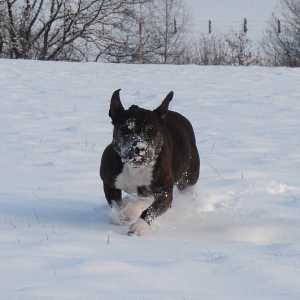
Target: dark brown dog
151,152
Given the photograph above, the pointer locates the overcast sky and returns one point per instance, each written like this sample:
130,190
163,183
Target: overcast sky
226,14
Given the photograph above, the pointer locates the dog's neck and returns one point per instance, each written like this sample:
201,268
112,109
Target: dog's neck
133,177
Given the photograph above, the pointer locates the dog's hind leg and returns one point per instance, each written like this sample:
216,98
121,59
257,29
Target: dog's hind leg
191,176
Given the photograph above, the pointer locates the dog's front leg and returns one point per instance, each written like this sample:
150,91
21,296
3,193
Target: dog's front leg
114,199
112,195
162,202
124,212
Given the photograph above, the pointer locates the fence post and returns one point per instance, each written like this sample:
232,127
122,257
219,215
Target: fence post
245,26
209,26
279,26
175,26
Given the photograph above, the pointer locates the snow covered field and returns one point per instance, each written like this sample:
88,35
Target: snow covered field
239,240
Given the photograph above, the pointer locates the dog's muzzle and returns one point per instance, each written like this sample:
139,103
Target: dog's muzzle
137,153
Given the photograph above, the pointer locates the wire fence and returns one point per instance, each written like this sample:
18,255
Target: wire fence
255,29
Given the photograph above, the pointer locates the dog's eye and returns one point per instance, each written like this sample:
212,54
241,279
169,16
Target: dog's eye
126,130
152,132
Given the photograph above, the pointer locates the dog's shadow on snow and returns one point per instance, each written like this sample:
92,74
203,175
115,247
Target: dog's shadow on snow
74,213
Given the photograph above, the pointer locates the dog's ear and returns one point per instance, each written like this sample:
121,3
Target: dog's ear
162,110
115,105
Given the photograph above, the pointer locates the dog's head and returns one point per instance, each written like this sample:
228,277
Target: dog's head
138,135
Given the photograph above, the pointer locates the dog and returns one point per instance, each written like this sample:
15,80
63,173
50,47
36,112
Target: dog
151,151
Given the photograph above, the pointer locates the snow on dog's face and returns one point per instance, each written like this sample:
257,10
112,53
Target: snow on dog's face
137,136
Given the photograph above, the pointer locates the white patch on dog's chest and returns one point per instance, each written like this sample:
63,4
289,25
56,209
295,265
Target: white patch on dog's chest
131,178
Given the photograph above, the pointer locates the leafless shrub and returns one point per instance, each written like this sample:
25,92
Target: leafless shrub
239,50
233,49
281,41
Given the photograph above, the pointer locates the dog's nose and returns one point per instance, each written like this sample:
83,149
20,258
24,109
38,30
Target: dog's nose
139,145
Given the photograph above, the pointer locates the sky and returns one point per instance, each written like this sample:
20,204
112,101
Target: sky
226,14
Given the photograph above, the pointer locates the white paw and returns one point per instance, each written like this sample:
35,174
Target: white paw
117,217
140,227
132,212
128,214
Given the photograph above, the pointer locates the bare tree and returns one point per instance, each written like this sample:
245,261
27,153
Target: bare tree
281,42
58,29
154,32
2,28
132,36
171,23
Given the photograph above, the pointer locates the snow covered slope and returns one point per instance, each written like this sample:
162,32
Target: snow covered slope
239,240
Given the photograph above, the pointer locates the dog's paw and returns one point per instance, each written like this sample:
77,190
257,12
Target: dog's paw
128,214
131,212
140,227
117,217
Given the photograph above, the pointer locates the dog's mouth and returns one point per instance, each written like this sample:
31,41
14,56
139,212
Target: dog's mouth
136,162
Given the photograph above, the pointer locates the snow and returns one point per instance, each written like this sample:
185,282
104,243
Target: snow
240,239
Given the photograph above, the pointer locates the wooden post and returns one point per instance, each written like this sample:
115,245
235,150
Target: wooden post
245,26
1,37
175,26
209,26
